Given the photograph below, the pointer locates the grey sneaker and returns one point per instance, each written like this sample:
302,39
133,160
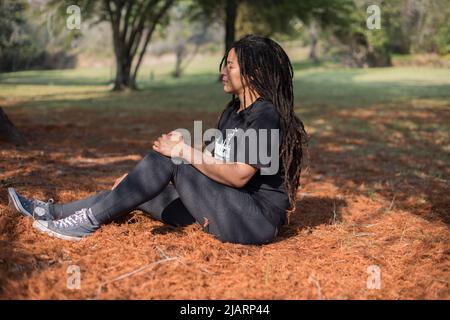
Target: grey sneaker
75,227
36,209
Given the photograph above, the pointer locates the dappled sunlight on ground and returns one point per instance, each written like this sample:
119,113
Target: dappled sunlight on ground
375,193
361,204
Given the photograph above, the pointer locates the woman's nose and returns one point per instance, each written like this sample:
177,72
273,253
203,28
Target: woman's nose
224,70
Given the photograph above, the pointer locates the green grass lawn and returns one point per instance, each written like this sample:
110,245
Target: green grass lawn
316,88
328,98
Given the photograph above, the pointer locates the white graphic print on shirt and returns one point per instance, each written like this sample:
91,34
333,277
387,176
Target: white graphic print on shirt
222,148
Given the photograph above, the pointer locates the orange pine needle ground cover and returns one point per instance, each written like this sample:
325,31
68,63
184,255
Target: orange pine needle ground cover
366,200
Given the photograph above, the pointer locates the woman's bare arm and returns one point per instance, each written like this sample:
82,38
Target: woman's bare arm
232,174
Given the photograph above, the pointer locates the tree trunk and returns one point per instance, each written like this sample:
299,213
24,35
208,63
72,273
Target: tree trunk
313,42
8,132
231,7
180,51
230,23
129,21
123,80
123,66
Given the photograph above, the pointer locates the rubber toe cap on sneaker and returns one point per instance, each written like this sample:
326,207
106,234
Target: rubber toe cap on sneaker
14,203
40,224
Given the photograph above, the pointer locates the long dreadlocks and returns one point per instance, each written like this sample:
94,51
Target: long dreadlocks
267,70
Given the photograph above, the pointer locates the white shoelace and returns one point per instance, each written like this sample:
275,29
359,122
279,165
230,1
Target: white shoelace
73,220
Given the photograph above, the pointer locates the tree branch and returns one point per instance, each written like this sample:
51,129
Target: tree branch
149,35
128,10
139,28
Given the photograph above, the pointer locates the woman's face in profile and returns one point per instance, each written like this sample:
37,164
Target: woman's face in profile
231,74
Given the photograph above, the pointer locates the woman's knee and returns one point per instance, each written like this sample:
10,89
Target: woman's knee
155,158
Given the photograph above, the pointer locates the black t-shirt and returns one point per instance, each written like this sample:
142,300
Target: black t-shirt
253,136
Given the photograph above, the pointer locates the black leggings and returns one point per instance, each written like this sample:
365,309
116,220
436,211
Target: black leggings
180,195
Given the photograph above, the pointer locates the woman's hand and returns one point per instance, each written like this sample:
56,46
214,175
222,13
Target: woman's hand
170,145
119,180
